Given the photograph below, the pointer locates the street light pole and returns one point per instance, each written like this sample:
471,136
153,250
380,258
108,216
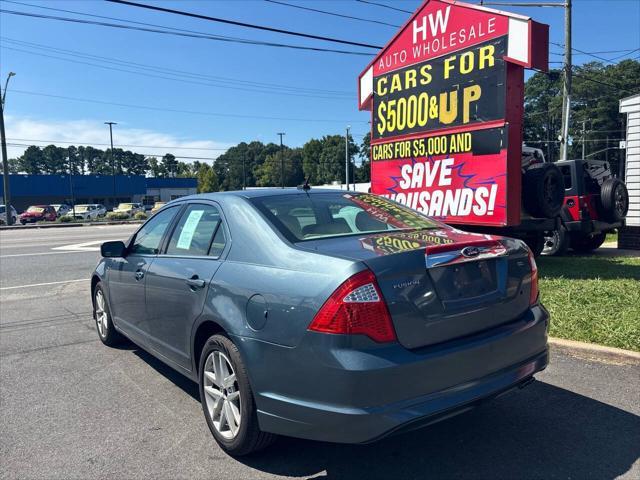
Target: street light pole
346,157
113,163
5,159
73,199
281,160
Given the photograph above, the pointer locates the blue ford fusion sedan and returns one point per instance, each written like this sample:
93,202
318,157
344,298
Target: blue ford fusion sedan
320,314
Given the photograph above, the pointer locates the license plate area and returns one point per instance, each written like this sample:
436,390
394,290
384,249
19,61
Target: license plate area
464,281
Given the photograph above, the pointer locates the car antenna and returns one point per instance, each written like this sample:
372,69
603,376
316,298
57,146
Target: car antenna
305,186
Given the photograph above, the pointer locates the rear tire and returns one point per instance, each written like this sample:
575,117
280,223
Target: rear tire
587,243
556,242
229,392
614,199
543,190
102,315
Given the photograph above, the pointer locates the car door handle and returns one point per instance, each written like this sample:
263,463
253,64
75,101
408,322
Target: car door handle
195,282
139,274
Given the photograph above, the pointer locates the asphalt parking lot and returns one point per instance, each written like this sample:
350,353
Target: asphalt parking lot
72,408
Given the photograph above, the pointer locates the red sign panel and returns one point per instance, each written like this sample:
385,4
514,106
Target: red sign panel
446,96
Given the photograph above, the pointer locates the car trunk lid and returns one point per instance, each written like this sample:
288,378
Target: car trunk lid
442,284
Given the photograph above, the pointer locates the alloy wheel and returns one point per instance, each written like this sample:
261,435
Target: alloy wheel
222,394
102,320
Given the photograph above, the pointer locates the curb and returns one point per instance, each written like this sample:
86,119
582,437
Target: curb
70,224
594,351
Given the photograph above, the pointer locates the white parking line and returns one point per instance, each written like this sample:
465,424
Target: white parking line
41,253
44,284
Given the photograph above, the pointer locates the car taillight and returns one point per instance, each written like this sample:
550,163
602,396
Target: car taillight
356,307
534,279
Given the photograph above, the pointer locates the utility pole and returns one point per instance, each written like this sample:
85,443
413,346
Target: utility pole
73,200
566,91
5,159
281,160
346,157
244,174
113,163
584,136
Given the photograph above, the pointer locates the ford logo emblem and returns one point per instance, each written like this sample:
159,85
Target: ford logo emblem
470,252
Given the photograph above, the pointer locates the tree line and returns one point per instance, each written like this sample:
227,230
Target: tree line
246,164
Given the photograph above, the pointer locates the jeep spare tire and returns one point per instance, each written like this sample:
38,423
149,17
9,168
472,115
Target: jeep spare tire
614,199
543,190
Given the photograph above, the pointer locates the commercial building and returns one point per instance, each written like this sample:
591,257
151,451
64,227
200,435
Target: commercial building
108,190
629,237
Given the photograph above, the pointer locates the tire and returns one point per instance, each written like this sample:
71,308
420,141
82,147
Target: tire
587,243
246,438
535,242
556,242
102,315
23,222
543,190
614,199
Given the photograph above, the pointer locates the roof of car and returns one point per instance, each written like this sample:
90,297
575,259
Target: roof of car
264,192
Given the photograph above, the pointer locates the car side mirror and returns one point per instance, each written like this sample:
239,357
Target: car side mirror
115,249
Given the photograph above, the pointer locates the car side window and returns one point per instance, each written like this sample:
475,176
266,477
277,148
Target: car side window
148,238
193,235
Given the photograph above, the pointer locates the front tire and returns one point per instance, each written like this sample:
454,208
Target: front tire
102,315
227,399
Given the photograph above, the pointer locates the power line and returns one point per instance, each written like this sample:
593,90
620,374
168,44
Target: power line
243,24
334,14
151,75
190,112
80,142
172,71
183,34
592,54
620,89
384,6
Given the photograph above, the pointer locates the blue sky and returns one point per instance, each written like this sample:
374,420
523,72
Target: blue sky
325,106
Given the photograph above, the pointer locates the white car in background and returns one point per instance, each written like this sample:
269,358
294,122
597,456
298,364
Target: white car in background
88,211
129,209
61,209
3,215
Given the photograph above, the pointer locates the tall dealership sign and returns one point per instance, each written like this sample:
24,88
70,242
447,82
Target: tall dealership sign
446,96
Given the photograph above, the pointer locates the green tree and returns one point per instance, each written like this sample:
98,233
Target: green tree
31,161
269,174
207,179
54,160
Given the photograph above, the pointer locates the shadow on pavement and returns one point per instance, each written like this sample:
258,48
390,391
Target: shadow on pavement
540,432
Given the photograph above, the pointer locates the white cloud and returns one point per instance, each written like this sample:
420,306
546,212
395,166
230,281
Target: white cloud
25,131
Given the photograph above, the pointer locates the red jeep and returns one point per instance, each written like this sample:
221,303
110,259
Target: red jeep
595,204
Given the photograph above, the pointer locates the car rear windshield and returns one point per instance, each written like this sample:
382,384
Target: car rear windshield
124,206
82,208
35,209
326,215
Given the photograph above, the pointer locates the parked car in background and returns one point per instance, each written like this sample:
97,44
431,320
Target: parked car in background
3,215
325,315
61,209
88,211
157,206
129,208
38,213
102,210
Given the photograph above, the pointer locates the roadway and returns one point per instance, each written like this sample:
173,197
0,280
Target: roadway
73,408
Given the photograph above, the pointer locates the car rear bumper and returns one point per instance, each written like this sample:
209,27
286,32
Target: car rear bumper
358,396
